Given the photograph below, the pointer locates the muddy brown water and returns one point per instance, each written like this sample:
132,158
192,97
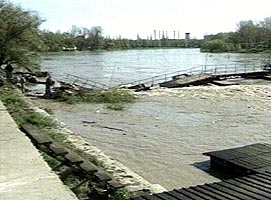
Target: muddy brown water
163,134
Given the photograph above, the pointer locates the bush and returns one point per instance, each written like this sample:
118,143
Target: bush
36,119
116,97
216,45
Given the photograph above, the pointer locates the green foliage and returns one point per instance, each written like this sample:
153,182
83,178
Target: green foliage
15,105
250,37
19,36
121,195
115,97
51,161
54,41
216,45
11,100
19,109
36,119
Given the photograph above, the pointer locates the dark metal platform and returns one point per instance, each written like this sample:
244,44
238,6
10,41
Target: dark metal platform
248,159
253,162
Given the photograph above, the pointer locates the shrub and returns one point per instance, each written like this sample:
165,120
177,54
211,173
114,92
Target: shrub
115,97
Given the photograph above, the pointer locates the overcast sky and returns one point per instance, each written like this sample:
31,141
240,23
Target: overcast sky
131,17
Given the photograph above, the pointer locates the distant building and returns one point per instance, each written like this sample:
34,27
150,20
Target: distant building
187,36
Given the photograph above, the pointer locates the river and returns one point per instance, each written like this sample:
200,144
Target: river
163,135
117,67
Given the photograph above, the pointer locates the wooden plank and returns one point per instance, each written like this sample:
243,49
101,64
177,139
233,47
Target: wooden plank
243,164
177,195
41,139
218,192
165,196
227,154
255,160
198,194
36,135
254,179
249,189
188,193
265,156
116,185
88,167
138,198
240,190
102,176
249,150
268,173
262,147
261,179
256,184
264,176
73,158
57,149
154,197
228,191
211,193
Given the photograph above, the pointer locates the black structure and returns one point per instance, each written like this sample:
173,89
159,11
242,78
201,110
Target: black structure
252,163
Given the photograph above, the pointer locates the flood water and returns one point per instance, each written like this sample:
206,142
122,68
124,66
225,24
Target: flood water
163,135
117,67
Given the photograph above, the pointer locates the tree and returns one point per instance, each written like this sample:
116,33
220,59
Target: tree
248,33
54,41
95,38
216,45
20,38
266,31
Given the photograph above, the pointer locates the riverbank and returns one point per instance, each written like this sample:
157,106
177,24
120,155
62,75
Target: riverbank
24,111
24,173
163,135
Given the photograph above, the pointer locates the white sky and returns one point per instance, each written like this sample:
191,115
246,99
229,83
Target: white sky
130,17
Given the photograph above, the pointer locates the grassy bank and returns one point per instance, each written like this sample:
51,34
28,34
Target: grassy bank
21,112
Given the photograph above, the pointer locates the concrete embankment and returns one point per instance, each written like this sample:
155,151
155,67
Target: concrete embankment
23,172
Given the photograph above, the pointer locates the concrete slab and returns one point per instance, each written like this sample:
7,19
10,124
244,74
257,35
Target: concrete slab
23,172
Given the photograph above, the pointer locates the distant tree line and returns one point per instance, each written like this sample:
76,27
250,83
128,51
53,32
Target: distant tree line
92,39
21,40
250,37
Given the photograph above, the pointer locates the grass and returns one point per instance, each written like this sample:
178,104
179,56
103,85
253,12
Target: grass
19,109
121,194
115,99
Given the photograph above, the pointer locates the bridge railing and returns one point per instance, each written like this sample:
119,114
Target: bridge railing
194,72
83,82
197,72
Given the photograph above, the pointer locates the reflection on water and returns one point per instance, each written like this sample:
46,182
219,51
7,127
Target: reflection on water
116,67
